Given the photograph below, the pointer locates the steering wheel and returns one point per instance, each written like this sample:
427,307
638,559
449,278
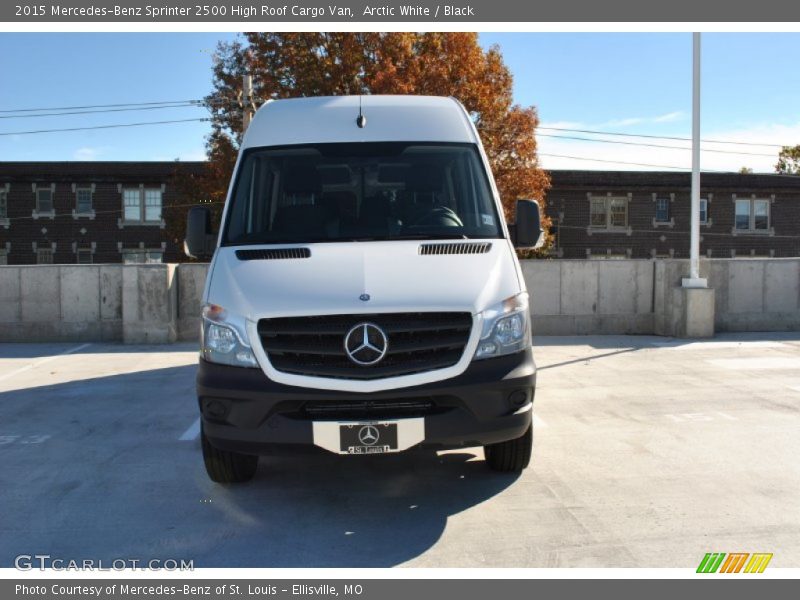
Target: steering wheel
440,216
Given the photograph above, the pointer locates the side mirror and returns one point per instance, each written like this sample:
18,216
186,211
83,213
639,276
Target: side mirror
200,243
527,229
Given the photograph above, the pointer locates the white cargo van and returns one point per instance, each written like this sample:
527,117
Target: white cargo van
364,295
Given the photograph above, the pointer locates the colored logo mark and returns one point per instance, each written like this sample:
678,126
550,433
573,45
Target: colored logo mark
734,562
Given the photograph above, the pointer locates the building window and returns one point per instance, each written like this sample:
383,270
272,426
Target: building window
662,210
132,200
152,205
3,204
3,257
618,212
752,215
131,257
703,210
142,205
609,213
609,256
83,200
44,256
761,215
84,256
599,214
44,200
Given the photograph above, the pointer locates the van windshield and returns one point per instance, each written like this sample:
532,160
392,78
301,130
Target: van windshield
360,191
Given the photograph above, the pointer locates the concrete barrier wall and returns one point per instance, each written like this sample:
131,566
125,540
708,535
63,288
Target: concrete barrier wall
581,297
161,303
574,297
61,303
756,294
191,280
149,304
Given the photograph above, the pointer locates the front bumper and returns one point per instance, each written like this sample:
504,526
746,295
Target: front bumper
244,411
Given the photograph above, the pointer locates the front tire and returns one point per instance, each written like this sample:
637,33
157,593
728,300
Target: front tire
227,467
511,456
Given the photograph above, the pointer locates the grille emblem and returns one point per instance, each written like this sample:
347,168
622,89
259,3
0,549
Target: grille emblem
364,297
368,435
366,344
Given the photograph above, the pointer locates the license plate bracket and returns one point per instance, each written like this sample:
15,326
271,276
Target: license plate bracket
369,437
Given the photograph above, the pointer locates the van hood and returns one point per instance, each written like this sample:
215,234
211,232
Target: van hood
337,278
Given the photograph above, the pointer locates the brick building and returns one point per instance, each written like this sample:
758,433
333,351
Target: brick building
111,212
88,212
646,214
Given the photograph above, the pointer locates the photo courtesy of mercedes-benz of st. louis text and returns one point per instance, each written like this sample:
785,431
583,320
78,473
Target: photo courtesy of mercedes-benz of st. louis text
364,294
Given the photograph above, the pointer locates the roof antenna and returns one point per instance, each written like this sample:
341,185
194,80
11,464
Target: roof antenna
361,121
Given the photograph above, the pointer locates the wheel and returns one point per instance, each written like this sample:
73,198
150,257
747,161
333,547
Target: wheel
227,467
511,456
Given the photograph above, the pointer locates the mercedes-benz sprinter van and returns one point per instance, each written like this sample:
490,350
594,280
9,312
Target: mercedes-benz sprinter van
364,295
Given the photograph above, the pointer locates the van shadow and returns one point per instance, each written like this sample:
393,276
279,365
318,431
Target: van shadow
330,511
96,469
34,351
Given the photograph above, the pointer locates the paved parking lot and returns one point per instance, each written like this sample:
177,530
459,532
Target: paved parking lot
648,452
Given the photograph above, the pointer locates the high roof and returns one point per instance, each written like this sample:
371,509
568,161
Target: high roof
333,119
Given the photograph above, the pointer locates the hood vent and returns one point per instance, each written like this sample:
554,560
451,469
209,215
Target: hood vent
273,253
460,248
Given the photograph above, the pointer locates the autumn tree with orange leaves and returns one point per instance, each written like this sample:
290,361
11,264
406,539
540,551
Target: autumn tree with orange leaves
290,65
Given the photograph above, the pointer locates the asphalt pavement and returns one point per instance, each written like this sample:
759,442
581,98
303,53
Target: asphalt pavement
648,452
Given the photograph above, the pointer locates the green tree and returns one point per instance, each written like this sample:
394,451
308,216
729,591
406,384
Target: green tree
287,65
789,160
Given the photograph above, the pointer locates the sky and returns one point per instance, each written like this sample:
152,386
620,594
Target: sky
611,82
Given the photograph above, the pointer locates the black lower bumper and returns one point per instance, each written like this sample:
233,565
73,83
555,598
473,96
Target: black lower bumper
245,411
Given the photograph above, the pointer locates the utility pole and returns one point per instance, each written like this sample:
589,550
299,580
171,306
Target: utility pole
696,316
694,280
248,102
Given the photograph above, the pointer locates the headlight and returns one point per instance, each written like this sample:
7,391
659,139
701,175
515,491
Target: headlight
223,341
506,328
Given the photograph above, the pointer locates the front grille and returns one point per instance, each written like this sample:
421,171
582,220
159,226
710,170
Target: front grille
416,342
370,410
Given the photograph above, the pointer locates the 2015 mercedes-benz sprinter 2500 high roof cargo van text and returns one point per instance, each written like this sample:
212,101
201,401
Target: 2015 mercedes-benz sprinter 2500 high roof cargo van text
364,295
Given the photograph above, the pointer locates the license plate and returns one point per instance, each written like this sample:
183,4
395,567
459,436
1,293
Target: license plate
368,438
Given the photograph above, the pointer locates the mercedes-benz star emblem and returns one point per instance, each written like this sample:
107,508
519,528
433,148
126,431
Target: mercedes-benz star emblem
366,344
368,435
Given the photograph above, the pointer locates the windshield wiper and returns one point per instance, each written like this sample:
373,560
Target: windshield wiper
370,238
282,242
430,236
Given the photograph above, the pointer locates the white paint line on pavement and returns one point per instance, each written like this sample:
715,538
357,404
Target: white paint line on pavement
718,345
748,364
191,433
42,361
538,423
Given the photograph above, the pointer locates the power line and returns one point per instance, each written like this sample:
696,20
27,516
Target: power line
106,110
101,106
643,144
619,162
638,164
3,133
659,137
